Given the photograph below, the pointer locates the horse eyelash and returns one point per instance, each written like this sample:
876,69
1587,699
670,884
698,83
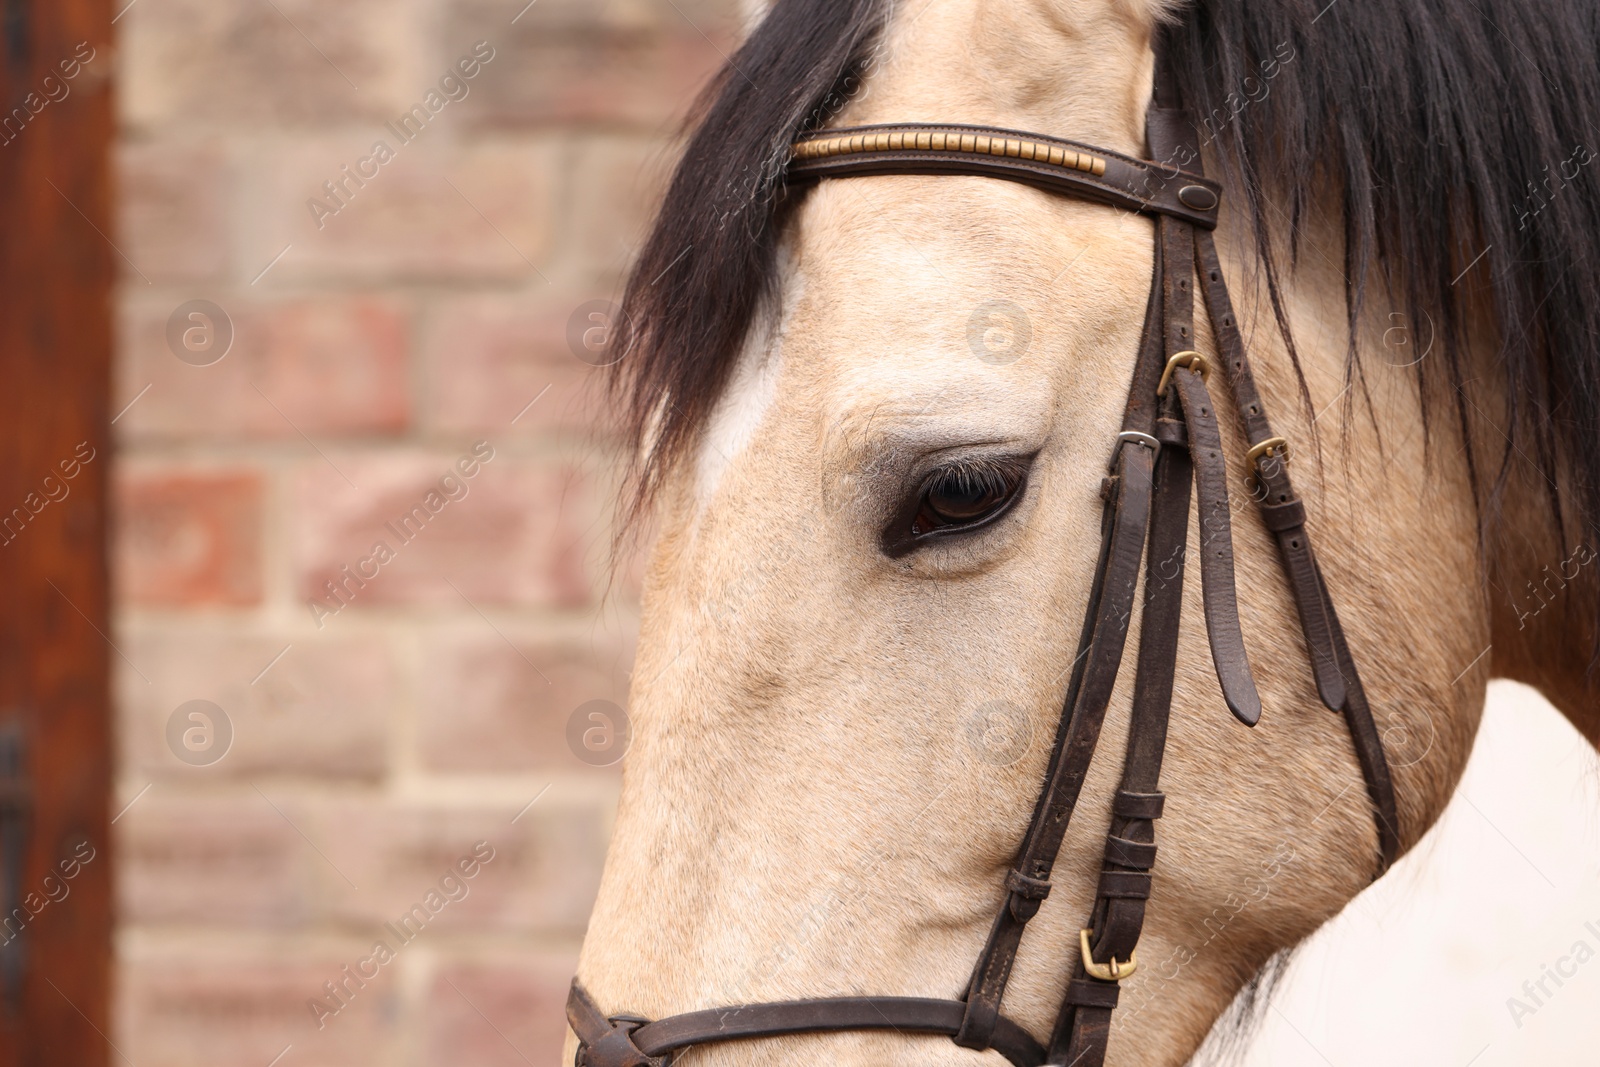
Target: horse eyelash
981,472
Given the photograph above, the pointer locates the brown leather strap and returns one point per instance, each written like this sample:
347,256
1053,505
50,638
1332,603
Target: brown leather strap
1167,445
630,1043
1210,467
603,1041
1059,166
1338,682
1118,917
1368,745
1077,735
1273,489
1127,510
1082,1031
1216,549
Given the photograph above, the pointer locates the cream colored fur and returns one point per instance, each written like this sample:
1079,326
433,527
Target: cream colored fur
804,812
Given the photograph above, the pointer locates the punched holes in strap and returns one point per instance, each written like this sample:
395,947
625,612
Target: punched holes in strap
1125,853
1026,894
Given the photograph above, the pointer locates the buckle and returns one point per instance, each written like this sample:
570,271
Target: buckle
1272,446
1187,358
1111,971
1137,437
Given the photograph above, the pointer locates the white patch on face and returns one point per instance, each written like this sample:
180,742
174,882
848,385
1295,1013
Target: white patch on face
751,387
753,12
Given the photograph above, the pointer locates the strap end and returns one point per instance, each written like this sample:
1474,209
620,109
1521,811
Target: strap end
1246,707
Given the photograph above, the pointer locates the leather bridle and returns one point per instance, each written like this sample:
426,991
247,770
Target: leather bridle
1169,442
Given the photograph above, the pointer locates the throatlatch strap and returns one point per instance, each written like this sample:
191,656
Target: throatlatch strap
1272,487
1338,681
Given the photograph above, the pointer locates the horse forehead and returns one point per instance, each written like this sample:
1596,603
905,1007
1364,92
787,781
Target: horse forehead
946,398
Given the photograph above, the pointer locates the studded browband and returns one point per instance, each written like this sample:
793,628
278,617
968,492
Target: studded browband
1058,166
1170,444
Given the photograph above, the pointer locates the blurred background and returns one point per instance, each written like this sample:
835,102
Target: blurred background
393,313
354,253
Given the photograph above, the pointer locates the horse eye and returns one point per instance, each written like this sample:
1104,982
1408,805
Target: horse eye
956,498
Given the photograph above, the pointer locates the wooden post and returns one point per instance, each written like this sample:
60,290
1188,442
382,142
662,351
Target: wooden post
57,266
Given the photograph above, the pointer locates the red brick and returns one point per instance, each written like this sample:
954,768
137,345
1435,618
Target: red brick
487,357
486,706
499,1013
192,862
435,212
617,186
324,367
174,223
528,533
482,18
186,539
542,879
241,66
638,64
321,709
237,1005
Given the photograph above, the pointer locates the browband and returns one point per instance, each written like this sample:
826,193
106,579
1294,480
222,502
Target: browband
1052,164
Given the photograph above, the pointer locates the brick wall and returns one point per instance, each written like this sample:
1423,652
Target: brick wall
375,340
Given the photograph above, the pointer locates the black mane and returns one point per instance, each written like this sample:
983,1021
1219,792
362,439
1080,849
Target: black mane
1460,134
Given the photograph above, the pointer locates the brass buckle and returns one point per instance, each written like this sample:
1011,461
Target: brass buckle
1187,358
1272,446
1110,971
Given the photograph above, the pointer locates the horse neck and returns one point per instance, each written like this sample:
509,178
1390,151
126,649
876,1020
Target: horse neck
1544,586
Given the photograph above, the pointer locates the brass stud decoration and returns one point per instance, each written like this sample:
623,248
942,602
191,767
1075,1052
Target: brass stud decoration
959,143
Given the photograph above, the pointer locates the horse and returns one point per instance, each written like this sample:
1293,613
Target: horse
871,417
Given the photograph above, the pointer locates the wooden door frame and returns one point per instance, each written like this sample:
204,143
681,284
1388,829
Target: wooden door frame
57,269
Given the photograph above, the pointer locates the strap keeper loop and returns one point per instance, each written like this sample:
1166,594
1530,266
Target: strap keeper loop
1174,432
1138,805
1124,885
1087,994
1026,894
1023,886
1124,853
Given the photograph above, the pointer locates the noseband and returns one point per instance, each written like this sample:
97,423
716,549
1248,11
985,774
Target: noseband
1169,444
